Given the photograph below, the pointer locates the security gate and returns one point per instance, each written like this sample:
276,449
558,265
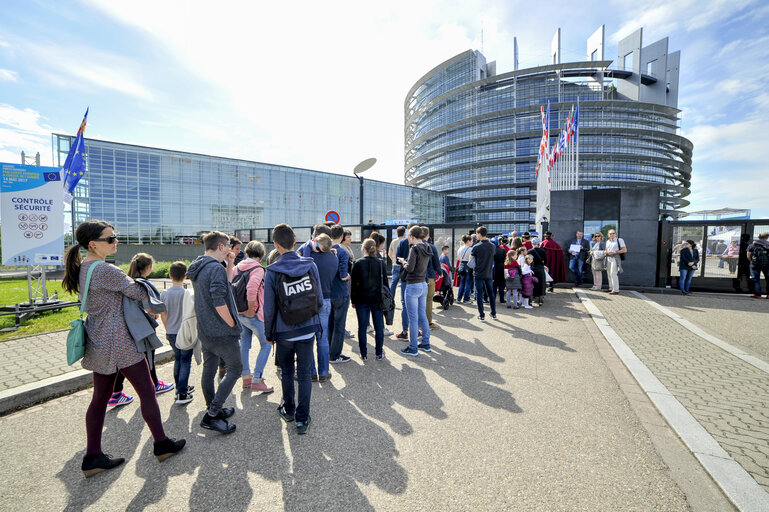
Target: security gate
722,244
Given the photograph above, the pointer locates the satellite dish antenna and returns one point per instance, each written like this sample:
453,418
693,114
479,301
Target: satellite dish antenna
364,166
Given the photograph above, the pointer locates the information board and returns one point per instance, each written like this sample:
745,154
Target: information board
32,214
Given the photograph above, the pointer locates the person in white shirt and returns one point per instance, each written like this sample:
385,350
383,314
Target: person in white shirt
614,248
465,272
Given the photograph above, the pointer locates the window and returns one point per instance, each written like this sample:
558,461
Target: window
649,66
627,62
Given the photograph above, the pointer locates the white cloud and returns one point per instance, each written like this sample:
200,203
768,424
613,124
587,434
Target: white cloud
6,75
661,18
76,67
23,130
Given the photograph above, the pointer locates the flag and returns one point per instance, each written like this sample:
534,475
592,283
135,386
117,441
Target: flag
74,165
575,120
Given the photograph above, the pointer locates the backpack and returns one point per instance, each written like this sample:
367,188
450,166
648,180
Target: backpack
759,256
239,285
298,297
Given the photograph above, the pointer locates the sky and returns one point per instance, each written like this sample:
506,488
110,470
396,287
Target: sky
321,85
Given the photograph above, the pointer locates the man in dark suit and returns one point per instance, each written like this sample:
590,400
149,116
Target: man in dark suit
577,259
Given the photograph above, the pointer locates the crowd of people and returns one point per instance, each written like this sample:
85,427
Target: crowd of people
293,299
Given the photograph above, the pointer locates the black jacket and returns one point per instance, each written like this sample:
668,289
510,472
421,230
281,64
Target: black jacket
688,256
368,277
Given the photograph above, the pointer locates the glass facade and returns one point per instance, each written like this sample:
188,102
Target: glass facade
155,195
477,136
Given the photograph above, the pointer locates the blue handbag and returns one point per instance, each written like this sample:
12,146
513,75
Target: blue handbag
77,334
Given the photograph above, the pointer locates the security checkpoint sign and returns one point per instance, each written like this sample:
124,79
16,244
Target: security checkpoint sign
32,206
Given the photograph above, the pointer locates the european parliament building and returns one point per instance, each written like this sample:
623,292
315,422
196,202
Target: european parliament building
475,134
157,195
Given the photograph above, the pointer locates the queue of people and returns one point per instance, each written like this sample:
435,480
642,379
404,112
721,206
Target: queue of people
293,300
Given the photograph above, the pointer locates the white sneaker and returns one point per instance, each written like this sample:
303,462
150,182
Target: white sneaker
528,307
388,332
370,328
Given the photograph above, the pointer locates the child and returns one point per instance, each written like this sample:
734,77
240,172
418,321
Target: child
512,279
172,319
445,257
527,281
292,300
520,256
140,268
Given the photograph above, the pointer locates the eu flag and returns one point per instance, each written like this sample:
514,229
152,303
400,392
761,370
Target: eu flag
74,165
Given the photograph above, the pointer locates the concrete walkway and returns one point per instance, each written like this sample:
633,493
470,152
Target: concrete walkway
528,412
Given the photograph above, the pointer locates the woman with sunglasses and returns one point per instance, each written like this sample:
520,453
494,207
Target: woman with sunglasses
109,346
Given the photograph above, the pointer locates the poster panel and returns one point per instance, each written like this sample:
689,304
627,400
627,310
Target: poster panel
32,215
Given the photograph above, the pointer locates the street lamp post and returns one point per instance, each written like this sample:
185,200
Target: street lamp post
359,169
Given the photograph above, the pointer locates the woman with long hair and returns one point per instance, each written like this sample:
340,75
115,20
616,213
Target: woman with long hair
109,346
367,278
252,319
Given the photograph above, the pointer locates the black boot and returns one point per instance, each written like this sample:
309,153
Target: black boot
93,464
168,447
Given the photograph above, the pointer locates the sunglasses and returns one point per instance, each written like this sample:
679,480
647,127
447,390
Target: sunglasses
110,239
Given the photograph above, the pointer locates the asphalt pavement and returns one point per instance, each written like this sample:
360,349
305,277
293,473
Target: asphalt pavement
532,411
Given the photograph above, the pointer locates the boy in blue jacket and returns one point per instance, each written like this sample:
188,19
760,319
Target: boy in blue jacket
292,339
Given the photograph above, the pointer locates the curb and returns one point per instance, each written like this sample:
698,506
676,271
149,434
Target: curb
33,393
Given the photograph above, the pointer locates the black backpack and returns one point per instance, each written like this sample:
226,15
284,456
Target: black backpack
759,256
297,297
239,285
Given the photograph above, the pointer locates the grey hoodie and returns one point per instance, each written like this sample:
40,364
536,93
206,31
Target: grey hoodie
416,266
212,289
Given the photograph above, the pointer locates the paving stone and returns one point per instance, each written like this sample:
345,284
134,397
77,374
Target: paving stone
725,394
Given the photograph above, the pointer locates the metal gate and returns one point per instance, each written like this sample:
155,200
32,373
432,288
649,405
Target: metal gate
722,244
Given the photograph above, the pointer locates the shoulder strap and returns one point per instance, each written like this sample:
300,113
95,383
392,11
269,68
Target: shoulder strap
87,284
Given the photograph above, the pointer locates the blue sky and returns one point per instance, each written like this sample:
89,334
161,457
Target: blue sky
322,85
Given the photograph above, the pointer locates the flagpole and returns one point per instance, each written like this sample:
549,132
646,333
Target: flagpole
576,134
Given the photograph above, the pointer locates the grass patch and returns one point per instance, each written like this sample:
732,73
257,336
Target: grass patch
14,291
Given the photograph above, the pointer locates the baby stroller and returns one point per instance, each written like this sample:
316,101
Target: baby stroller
444,291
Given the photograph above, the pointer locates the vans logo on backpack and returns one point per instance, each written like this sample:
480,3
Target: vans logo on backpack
294,287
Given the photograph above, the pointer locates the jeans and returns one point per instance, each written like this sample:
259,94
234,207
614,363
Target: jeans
252,325
182,365
755,272
465,285
416,302
575,265
500,289
323,350
214,349
429,299
337,319
404,308
363,311
685,281
396,278
484,284
516,294
302,349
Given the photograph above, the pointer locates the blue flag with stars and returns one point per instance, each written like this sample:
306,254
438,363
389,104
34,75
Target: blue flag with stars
74,165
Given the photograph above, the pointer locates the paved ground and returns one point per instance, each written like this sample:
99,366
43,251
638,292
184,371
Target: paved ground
518,414
724,393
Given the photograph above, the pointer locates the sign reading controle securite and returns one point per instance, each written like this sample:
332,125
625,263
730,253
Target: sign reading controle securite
32,202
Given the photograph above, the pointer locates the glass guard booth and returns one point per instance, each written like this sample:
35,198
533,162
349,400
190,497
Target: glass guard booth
722,246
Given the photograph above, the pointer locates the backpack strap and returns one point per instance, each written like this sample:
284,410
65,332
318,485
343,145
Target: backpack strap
87,284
